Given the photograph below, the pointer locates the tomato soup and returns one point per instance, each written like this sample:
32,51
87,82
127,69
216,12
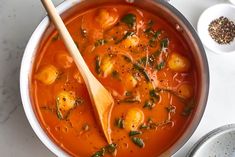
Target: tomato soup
140,59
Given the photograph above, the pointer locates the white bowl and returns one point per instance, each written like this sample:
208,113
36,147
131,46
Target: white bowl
210,14
219,142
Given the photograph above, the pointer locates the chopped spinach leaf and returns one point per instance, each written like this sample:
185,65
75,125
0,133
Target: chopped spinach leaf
97,64
142,71
129,19
138,141
142,60
160,66
149,104
99,153
131,99
100,42
109,149
120,123
126,35
154,38
133,133
154,94
164,43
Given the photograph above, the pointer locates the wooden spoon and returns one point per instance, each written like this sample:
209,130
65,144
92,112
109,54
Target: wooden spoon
101,99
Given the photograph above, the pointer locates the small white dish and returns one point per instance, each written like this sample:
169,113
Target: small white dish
210,14
217,143
232,1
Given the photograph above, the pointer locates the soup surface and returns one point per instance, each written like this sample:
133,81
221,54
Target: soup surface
140,59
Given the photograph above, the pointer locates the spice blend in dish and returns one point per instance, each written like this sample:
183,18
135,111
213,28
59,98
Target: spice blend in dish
222,30
140,59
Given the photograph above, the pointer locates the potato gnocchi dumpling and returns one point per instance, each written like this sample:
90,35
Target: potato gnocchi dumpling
185,91
65,101
178,63
106,65
64,60
134,118
131,41
106,18
129,82
47,75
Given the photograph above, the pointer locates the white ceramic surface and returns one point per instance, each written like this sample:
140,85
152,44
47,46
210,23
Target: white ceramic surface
210,14
217,143
18,20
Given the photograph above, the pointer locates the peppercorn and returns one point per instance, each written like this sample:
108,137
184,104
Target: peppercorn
222,30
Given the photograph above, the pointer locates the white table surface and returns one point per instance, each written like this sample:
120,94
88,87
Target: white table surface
19,18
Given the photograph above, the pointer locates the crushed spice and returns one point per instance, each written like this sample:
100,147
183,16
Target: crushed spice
222,30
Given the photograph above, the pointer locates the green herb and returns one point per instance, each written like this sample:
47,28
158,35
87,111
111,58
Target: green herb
154,94
160,66
129,19
144,126
100,42
131,99
126,35
61,115
99,153
154,38
149,104
109,149
188,107
149,31
138,141
142,60
56,37
120,123
97,64
164,43
142,71
133,133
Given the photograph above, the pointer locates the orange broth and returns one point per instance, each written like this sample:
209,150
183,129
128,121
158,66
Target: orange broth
131,52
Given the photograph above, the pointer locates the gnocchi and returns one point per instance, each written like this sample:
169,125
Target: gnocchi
185,91
47,75
106,18
65,101
178,63
134,118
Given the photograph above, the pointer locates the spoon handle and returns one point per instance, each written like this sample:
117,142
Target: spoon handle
69,42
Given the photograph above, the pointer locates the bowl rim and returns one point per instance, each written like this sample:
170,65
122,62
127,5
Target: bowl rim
28,58
26,65
199,23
